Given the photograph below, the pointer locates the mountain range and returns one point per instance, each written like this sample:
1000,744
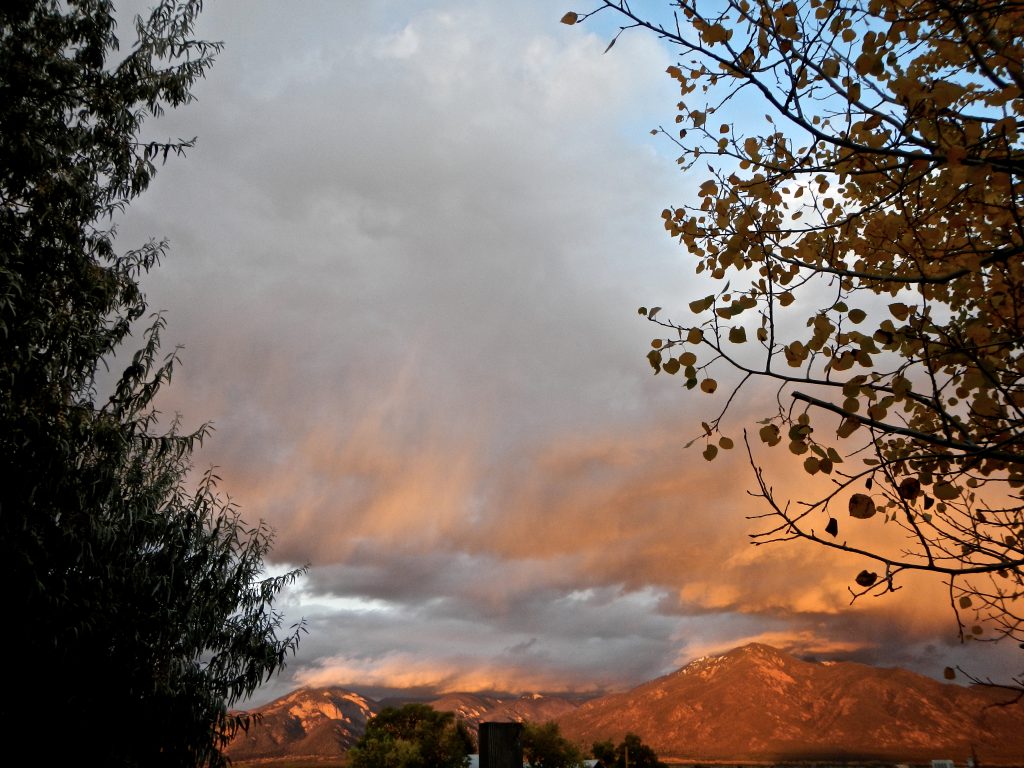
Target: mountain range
317,724
754,703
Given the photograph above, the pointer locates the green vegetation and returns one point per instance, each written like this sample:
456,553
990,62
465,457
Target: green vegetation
545,747
137,607
631,752
413,736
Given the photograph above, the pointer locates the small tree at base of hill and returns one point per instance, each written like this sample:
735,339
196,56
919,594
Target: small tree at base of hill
864,242
630,753
413,736
545,747
604,751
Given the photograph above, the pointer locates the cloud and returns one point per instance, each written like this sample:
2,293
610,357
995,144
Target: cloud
545,640
406,259
442,675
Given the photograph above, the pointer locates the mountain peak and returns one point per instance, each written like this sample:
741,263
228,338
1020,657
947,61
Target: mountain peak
759,649
756,702
307,721
705,665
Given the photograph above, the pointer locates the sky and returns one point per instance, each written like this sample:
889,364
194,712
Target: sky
406,259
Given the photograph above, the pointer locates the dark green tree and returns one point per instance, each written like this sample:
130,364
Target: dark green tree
630,753
545,747
138,608
604,751
413,736
634,753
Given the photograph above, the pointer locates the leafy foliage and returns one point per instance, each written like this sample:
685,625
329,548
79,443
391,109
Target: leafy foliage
545,747
139,611
413,736
604,751
631,751
865,240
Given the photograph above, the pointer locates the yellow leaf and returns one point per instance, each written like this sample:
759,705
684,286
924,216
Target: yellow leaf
795,354
955,155
909,488
899,310
570,18
862,506
770,434
865,63
716,33
866,578
843,362
654,358
700,305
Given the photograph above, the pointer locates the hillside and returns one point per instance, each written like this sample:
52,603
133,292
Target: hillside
307,723
757,703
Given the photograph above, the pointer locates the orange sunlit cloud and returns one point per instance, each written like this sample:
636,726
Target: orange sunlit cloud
443,675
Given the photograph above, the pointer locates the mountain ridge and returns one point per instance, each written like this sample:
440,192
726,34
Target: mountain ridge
759,703
753,703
